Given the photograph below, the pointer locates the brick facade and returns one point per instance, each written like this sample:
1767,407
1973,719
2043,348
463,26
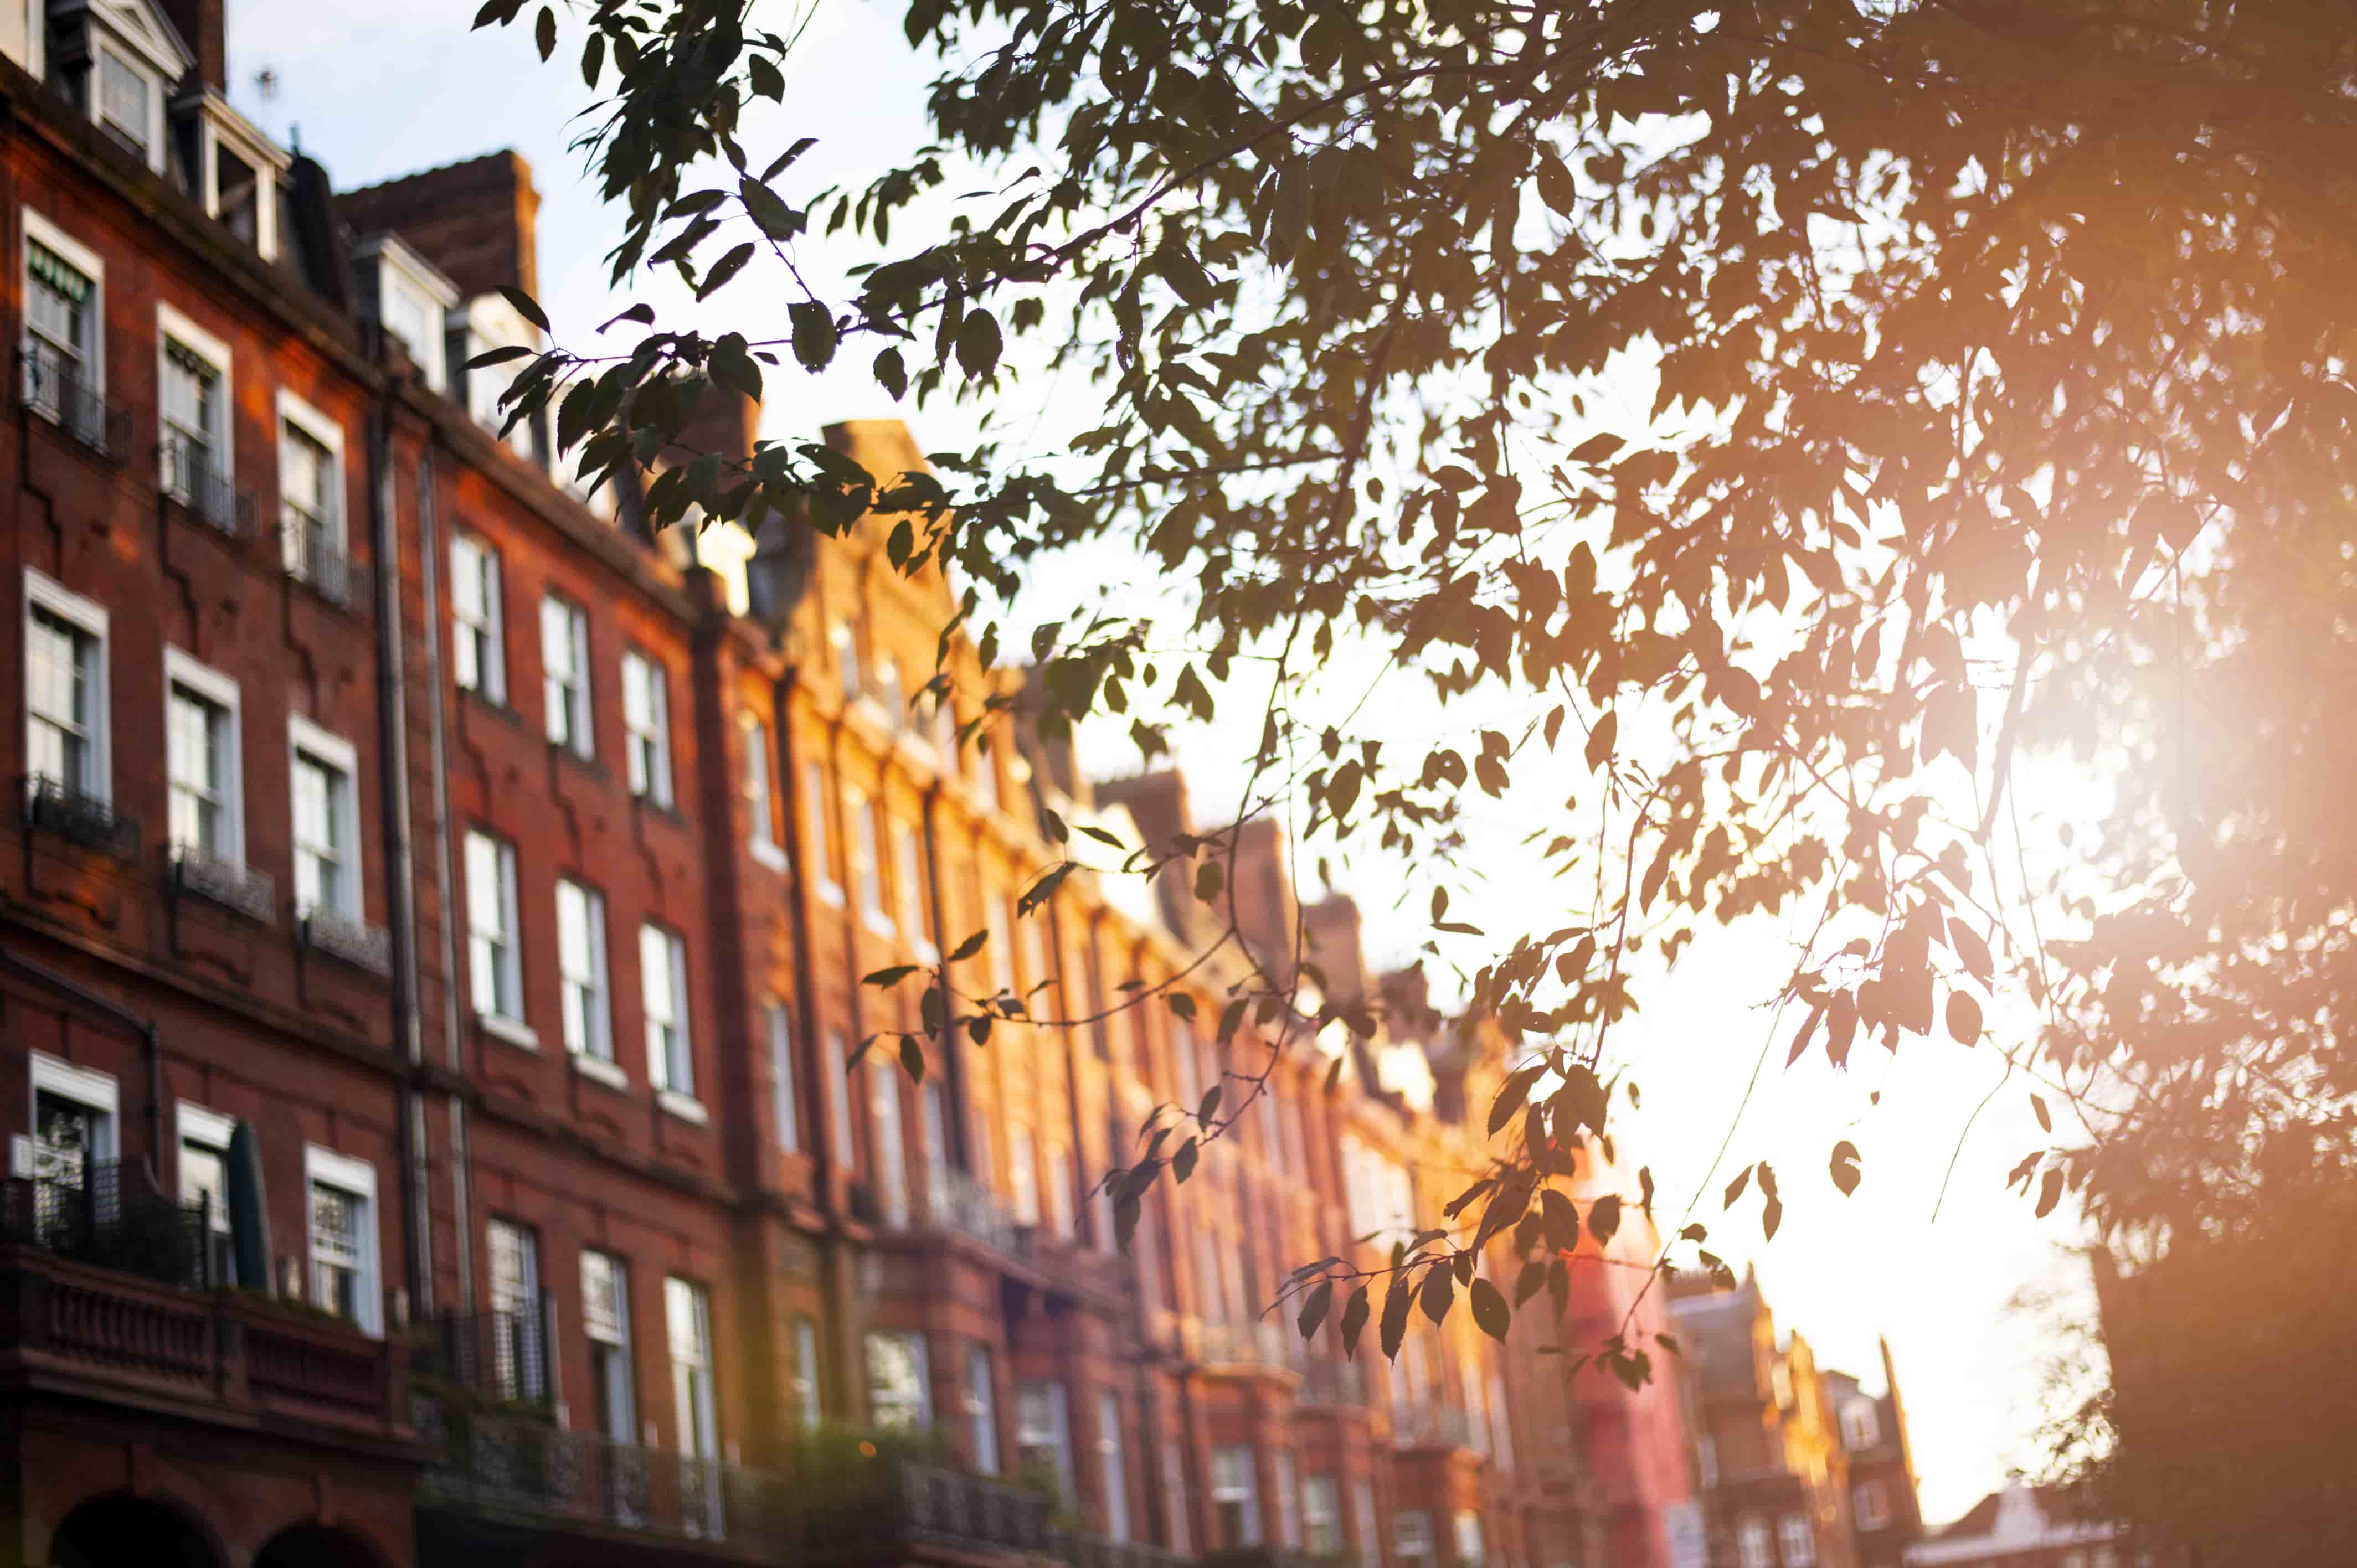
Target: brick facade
530,972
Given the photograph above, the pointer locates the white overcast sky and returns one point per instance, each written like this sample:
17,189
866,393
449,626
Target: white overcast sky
372,95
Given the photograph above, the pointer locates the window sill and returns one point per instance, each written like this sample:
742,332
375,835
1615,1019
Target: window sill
879,926
495,707
666,809
831,894
599,1070
512,1031
584,761
687,1107
768,855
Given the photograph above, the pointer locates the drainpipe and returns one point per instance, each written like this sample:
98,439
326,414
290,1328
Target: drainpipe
429,575
392,761
151,1047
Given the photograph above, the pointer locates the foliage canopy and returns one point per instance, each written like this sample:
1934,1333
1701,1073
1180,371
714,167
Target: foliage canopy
2000,358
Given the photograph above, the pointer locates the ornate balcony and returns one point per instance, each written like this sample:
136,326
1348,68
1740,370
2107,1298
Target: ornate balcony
500,1354
190,478
355,942
60,390
242,888
55,807
93,1300
1431,1426
1342,1384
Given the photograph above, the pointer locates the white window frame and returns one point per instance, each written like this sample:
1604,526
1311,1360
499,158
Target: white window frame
816,794
172,326
504,1015
646,736
1861,1425
982,1408
912,1341
1245,1494
1756,1543
1414,1545
489,629
619,1342
757,783
862,818
661,1068
1288,1501
210,1130
597,1046
809,1411
182,670
1363,1521
292,411
1877,1517
695,1413
86,1087
1046,1398
887,1138
401,270
221,128
575,699
785,1088
103,45
303,736
1321,1514
1707,1461
39,229
325,1167
908,883
1113,1466
45,592
1797,1540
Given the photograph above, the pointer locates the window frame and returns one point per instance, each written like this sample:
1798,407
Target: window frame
908,883
757,785
490,654
920,1415
172,326
694,1382
578,706
887,1138
673,1094
1877,1518
620,1347
648,776
828,883
323,1166
210,685
43,593
863,819
340,756
505,1017
809,1403
303,417
207,1128
982,1408
1321,1525
785,1084
1113,1466
105,47
1243,1494
1796,1541
1402,1535
39,229
598,1010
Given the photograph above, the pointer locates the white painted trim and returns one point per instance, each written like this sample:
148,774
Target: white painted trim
142,59
602,1070
44,592
510,1030
180,669
324,1166
198,1125
294,411
768,855
687,1107
303,736
85,1087
172,324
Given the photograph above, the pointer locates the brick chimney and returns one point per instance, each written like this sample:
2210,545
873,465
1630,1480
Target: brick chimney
725,422
474,220
1332,926
204,26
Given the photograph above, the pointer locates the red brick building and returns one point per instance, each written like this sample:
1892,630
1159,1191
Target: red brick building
430,946
1798,1466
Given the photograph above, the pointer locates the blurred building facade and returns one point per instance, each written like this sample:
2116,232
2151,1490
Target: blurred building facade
1797,1464
431,957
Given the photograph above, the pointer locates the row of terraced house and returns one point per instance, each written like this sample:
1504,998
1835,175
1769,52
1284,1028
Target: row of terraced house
431,935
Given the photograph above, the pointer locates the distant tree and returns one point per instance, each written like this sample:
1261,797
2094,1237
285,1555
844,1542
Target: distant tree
2003,403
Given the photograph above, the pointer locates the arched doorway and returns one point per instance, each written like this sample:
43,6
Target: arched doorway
116,1530
315,1546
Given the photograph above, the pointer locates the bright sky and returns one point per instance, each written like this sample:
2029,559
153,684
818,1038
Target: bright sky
385,93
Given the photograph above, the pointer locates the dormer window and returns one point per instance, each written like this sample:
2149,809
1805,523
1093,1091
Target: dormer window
411,300
117,62
229,168
127,103
484,323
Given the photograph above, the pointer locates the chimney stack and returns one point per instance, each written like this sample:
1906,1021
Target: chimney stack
204,26
474,220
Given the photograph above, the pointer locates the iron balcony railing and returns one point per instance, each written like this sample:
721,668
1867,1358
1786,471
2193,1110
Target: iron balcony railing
61,392
1432,1426
316,557
500,1353
1263,1343
107,1215
190,478
515,1466
232,885
956,1201
54,806
352,941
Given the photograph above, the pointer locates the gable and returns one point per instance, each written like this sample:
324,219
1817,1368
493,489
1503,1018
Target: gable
148,32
